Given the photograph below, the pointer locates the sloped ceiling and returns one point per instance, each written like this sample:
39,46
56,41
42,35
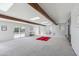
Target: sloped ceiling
60,12
24,11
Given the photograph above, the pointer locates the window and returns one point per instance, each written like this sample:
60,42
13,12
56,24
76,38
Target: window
22,31
5,6
19,32
16,30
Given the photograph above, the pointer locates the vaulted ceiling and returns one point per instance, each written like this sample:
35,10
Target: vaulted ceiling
23,11
59,12
41,11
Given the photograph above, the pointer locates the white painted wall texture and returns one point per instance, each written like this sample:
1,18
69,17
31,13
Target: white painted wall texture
9,34
75,28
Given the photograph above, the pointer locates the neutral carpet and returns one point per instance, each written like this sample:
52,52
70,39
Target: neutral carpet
29,46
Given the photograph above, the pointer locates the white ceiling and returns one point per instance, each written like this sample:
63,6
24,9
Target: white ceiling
24,11
60,12
5,6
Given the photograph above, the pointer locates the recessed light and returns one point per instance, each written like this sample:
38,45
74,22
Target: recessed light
5,6
44,22
35,18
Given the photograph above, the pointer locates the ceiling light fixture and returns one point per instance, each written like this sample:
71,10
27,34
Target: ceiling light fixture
35,18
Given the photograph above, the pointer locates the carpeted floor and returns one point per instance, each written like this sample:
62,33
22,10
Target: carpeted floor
29,46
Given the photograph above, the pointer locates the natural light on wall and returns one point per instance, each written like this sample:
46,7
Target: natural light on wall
5,6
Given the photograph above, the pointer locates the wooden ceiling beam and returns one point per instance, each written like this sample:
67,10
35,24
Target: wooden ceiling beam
17,19
39,9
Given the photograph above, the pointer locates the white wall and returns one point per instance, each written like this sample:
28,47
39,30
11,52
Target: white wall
6,35
75,28
55,31
9,34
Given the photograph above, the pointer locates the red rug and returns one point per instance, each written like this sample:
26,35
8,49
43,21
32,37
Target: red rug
43,38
